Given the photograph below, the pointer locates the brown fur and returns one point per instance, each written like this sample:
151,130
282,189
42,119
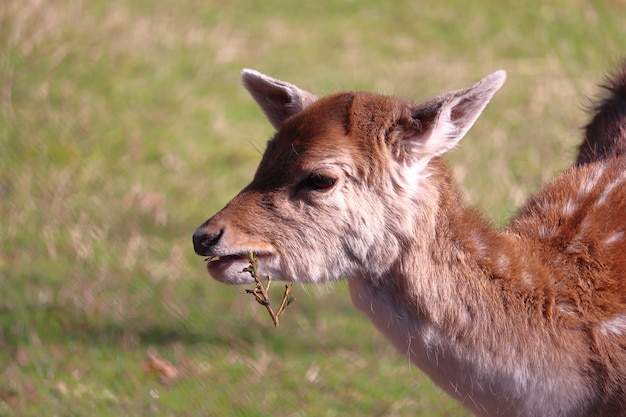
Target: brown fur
525,321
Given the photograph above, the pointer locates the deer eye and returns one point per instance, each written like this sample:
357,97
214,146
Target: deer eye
318,181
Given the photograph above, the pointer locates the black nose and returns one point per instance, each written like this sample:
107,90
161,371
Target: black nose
204,240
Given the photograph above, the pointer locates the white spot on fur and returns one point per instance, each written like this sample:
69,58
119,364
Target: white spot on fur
565,308
591,182
527,278
503,262
570,207
608,190
614,237
546,232
481,247
575,246
615,326
544,205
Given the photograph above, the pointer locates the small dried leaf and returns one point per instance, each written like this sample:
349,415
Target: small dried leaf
166,372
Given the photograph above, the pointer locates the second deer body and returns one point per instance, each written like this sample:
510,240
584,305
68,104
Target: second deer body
525,321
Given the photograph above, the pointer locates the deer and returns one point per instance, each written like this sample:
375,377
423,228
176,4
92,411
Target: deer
528,319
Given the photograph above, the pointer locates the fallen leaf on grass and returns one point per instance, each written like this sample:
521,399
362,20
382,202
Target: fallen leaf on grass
166,372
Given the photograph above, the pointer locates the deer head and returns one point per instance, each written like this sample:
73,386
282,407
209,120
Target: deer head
343,182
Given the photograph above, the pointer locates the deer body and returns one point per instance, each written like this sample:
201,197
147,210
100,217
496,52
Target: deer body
525,321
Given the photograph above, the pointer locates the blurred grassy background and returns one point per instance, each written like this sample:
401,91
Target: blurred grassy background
123,126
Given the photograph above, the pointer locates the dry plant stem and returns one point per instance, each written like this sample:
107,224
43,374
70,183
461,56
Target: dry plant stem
285,301
260,293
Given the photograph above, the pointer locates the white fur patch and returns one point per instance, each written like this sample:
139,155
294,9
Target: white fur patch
615,326
570,207
591,183
527,278
503,262
614,237
609,189
546,232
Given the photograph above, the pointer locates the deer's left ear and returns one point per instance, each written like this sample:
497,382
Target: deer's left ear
440,123
279,100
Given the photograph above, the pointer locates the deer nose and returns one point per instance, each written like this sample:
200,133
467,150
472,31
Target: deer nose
205,239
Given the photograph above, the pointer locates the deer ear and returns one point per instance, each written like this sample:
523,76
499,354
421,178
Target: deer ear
440,123
279,100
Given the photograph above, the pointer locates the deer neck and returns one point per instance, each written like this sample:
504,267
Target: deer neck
444,273
453,303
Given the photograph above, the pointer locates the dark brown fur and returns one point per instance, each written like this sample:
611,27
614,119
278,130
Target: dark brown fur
605,135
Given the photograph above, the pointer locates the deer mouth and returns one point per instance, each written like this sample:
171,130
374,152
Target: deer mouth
226,257
214,261
230,268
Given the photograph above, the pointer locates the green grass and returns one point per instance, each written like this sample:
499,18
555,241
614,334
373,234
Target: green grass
123,126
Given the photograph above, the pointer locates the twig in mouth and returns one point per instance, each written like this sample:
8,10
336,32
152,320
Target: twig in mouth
260,293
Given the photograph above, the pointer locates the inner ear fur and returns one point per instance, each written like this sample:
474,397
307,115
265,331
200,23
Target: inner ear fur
279,100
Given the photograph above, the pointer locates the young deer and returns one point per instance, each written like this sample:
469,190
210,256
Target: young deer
525,321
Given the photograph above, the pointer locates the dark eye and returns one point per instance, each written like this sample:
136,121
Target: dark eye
319,182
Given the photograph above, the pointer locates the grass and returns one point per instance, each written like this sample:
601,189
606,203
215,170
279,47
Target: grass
123,126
